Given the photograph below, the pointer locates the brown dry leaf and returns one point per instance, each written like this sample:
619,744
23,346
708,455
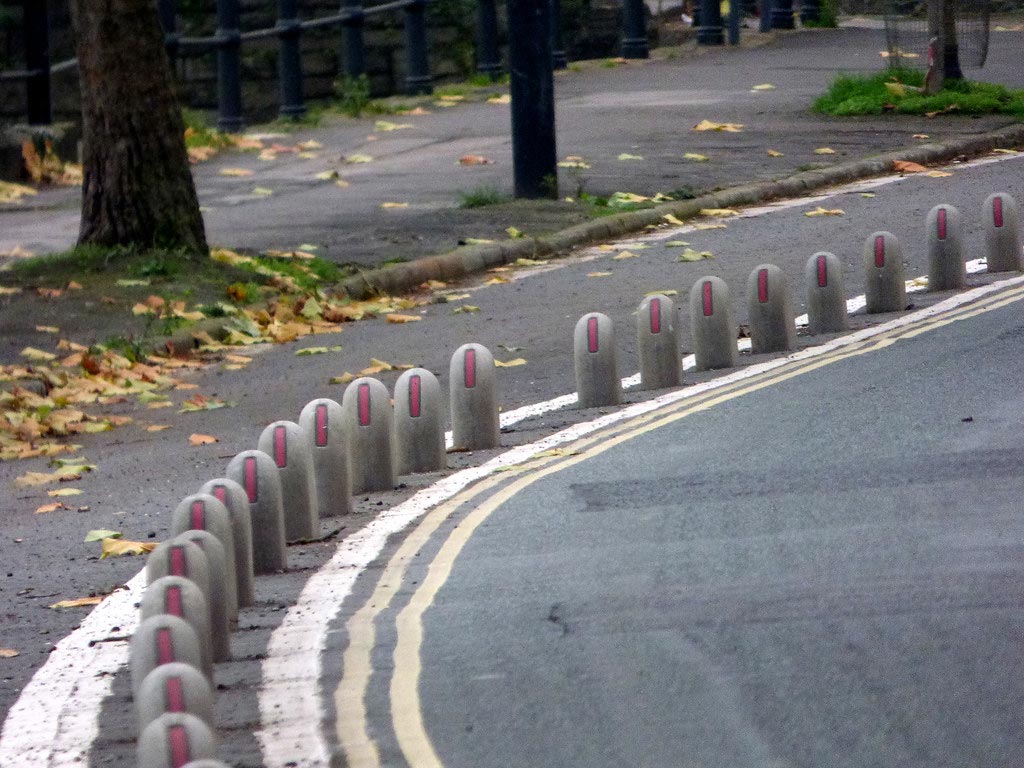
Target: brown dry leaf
819,211
80,602
8,653
905,166
475,160
117,547
943,111
197,439
938,174
46,508
708,125
50,293
158,427
399,319
73,286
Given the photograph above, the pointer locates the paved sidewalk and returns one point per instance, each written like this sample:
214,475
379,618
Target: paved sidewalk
643,109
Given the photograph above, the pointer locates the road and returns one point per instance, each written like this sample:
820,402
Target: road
912,393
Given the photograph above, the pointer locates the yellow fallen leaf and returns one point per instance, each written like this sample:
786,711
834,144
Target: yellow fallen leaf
529,262
708,125
819,211
416,111
627,156
327,175
867,194
697,158
774,153
12,193
709,225
310,145
718,213
498,280
675,222
676,244
456,296
514,233
510,363
574,161
9,291
235,172
1002,151
452,97
358,159
118,547
465,308
599,274
345,378
397,319
197,439
625,255
669,292
47,329
689,254
60,492
384,126
47,508
37,355
921,136
394,205
80,602
505,98
262,191
158,427
824,151
8,653
763,87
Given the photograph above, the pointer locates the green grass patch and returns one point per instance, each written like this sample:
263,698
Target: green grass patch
199,132
897,90
481,197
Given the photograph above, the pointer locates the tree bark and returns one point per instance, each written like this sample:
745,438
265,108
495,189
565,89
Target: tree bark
137,188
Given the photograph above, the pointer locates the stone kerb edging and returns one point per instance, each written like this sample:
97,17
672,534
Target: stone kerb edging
470,259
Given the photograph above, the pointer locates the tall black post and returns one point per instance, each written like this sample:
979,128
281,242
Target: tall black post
735,17
36,21
766,16
354,53
558,58
782,14
289,59
488,56
810,11
229,67
417,63
534,158
634,22
710,30
169,22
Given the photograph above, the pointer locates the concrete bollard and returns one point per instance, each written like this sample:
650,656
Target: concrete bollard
257,473
595,361
174,687
178,596
947,268
826,297
1002,233
712,325
657,340
203,512
286,443
772,325
164,639
473,398
232,496
885,288
174,740
419,423
323,422
366,409
181,558
217,600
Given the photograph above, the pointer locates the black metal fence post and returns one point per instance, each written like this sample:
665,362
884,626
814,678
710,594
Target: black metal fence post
169,22
354,49
417,64
634,22
782,14
488,56
229,66
766,16
710,30
810,12
36,22
558,58
289,61
735,16
534,159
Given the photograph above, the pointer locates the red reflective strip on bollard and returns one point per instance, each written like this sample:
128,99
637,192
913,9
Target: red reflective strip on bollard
364,405
220,493
178,566
164,646
822,272
172,602
177,740
251,486
199,515
414,396
762,286
709,301
997,211
655,315
469,369
321,425
942,223
592,334
281,446
880,251
175,695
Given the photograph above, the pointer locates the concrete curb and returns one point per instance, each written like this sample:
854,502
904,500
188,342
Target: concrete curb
468,260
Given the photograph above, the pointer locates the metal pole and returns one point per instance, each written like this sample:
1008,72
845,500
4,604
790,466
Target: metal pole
169,22
229,66
810,11
289,61
533,99
558,57
634,22
488,57
766,16
735,15
782,15
355,56
710,30
37,57
417,76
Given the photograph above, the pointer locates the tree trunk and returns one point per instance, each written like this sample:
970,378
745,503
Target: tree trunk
137,188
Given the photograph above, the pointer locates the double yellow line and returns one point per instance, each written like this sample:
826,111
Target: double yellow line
353,731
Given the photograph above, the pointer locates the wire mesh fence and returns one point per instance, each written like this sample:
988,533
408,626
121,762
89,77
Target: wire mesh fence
906,32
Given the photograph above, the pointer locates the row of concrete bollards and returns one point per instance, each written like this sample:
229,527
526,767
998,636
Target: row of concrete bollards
772,324
237,526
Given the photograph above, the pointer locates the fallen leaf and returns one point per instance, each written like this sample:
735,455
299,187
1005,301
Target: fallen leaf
358,159
867,194
60,492
774,153
620,199
262,191
12,193
763,87
465,308
529,262
196,439
708,125
8,653
676,244
119,547
824,151
669,292
510,363
819,211
310,145
47,329
905,166
394,205
457,296
627,156
38,355
625,255
475,160
1001,151
158,427
901,89
921,136
497,280
599,274
689,254
943,111
574,161
235,172
50,293
9,291
73,286
938,174
46,508
416,111
697,158
710,225
202,403
514,233
672,220
384,126
400,319
718,213
345,378
80,602
505,98
99,534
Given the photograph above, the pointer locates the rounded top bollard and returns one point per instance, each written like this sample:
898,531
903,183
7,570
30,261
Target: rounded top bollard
419,422
772,326
174,740
826,296
204,512
287,444
218,597
473,394
256,472
712,325
946,266
232,496
1002,233
596,362
174,687
885,288
657,336
178,596
323,422
163,639
366,406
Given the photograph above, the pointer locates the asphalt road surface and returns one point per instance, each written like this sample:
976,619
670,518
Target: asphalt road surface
821,569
